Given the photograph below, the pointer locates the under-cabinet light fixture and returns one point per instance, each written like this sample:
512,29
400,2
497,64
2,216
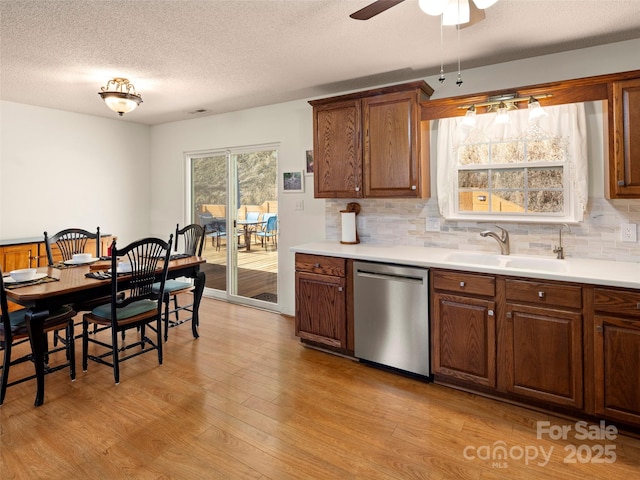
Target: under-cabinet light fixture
120,96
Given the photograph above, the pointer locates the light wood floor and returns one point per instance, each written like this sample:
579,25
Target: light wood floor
246,400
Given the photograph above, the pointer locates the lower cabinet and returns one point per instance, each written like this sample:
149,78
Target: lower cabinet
15,257
321,300
463,328
542,341
617,354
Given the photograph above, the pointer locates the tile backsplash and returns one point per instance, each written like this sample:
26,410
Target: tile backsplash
404,221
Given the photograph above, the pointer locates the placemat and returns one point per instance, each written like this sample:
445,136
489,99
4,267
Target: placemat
11,286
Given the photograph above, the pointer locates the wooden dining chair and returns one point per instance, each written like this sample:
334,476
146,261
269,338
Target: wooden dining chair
134,304
13,332
68,242
193,239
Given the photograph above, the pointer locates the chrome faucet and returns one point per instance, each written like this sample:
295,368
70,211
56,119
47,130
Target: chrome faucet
503,239
559,250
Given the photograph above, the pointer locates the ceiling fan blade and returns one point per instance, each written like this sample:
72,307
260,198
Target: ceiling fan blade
475,15
374,9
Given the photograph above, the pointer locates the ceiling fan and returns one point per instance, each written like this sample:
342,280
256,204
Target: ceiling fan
470,12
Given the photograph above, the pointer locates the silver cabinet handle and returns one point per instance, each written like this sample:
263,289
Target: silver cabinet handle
462,284
339,289
638,306
357,189
621,183
541,294
490,313
317,265
413,187
599,328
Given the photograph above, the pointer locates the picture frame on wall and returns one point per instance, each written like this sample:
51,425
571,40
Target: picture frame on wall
293,182
309,170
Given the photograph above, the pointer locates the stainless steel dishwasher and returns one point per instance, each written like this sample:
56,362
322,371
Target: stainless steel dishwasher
392,316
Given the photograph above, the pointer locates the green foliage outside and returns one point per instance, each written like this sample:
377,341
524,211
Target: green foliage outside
257,178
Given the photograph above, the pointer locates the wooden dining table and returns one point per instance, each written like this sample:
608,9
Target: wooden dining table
71,286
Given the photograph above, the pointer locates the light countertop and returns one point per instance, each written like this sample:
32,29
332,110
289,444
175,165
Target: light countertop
597,272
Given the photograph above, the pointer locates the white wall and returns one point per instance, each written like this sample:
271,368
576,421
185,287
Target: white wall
289,124
131,177
60,170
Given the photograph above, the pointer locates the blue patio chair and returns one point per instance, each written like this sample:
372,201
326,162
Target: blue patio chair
269,231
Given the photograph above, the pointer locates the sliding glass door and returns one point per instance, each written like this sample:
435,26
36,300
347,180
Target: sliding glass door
234,196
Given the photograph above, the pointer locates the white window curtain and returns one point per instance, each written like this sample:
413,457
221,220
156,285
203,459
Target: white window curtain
566,121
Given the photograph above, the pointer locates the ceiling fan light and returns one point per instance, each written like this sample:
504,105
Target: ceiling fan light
457,12
432,7
482,4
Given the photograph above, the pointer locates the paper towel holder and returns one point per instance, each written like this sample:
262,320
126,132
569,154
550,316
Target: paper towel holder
352,207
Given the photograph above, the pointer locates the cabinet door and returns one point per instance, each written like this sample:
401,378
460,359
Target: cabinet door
624,140
617,355
392,145
463,338
321,309
543,354
15,257
337,146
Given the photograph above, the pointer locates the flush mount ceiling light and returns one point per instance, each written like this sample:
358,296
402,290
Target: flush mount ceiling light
120,96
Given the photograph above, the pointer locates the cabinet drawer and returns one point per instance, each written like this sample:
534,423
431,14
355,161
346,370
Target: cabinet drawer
465,283
322,265
543,293
621,302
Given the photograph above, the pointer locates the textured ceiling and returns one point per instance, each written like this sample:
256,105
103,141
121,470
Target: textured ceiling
226,55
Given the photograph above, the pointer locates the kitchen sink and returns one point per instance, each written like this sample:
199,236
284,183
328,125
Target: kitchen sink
508,261
533,263
475,258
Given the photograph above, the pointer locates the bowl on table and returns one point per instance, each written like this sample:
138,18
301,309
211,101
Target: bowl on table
23,275
81,257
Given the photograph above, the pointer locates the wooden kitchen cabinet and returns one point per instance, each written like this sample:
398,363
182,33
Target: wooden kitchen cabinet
541,342
617,354
15,257
321,300
624,140
463,328
372,144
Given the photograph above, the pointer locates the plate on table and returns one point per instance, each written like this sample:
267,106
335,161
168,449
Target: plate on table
80,262
126,268
37,276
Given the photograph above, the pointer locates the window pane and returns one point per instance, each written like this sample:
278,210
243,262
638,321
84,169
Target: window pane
507,179
545,150
473,154
545,177
545,201
476,201
507,152
502,201
473,179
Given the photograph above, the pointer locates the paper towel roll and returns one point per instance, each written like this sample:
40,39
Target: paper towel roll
348,227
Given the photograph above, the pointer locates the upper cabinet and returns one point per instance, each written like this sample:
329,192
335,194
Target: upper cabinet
624,140
372,144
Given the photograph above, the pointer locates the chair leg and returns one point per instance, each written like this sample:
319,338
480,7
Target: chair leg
114,348
175,307
71,350
166,319
159,339
85,344
5,371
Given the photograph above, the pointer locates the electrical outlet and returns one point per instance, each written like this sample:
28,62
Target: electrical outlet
300,205
433,224
628,232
